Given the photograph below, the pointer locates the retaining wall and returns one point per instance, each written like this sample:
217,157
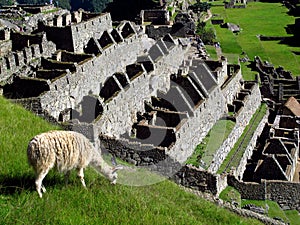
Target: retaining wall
286,194
239,171
243,117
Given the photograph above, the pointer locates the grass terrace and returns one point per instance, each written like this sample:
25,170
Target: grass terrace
211,143
258,18
234,156
163,202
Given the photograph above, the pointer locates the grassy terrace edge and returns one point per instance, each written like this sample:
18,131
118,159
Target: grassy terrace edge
243,141
211,143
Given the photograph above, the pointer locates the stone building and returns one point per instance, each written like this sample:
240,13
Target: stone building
280,153
279,160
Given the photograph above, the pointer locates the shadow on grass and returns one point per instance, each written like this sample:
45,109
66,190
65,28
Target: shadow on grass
296,53
26,182
291,41
251,65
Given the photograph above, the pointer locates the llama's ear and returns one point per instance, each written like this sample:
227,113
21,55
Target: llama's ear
116,168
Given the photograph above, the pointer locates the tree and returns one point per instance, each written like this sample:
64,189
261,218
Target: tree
200,7
65,4
6,2
207,35
27,1
89,5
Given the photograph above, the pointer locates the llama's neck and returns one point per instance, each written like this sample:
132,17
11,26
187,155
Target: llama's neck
100,165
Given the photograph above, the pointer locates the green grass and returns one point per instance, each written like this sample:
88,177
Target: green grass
258,18
233,158
17,127
211,142
230,194
293,216
212,52
274,208
163,202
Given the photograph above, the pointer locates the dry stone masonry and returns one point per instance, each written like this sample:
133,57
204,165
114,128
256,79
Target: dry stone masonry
149,102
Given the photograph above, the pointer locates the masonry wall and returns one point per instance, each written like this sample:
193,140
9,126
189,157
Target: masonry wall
232,86
286,194
61,36
159,16
68,91
239,171
120,113
201,180
142,155
5,47
248,190
197,126
222,72
14,61
94,27
251,104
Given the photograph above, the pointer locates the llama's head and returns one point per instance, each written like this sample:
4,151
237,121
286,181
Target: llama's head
113,176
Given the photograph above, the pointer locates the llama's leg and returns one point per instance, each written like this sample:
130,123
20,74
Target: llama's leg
38,182
67,175
81,176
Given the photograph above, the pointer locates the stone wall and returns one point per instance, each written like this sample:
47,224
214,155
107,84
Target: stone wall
243,117
73,37
232,85
68,91
250,105
220,69
248,190
120,113
198,125
61,36
239,171
21,41
14,61
94,27
200,180
286,194
141,155
5,47
155,16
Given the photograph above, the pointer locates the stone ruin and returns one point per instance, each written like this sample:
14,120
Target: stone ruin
142,90
142,98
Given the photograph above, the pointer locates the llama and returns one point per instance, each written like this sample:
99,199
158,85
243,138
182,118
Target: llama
66,150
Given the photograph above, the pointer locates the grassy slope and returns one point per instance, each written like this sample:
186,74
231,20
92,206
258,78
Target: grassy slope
102,203
269,19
